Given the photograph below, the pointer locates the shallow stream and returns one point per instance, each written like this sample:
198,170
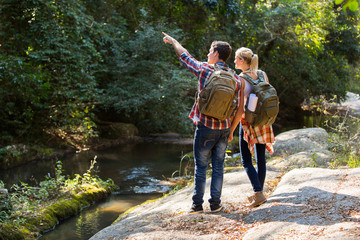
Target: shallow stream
137,169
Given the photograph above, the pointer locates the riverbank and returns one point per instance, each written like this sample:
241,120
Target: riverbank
117,133
139,171
303,202
27,211
310,158
59,144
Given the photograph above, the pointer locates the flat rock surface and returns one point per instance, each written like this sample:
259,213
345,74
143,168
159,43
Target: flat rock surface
309,203
167,218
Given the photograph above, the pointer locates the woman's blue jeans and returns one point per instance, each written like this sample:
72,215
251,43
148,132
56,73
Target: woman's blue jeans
257,178
209,145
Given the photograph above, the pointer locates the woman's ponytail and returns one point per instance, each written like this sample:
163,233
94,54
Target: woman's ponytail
254,63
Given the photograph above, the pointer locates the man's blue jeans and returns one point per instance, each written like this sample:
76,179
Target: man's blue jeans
209,145
257,178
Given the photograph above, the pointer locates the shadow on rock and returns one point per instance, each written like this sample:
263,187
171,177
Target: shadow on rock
309,206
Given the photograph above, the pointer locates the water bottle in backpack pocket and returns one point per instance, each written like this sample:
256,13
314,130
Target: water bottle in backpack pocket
266,109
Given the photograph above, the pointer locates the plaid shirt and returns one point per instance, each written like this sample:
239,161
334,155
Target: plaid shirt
203,71
263,135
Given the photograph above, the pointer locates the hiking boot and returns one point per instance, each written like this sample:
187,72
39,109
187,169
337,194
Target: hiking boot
251,198
258,199
216,207
196,209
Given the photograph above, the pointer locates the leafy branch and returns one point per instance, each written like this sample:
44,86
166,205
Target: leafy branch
353,5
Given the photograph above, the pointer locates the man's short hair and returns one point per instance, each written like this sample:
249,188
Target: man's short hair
223,48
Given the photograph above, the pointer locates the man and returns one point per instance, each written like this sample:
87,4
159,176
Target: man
211,134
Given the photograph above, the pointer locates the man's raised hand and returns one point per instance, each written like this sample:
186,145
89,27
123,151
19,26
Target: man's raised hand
177,46
168,39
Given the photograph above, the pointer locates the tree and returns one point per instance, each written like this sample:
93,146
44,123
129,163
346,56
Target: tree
47,66
62,61
292,39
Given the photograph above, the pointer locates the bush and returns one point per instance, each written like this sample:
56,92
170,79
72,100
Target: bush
153,91
24,200
344,128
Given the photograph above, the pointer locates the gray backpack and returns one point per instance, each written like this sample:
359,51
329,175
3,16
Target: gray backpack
218,99
267,107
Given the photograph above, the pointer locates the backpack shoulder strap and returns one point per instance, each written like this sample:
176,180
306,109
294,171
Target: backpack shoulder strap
242,93
261,75
218,68
247,78
225,69
215,66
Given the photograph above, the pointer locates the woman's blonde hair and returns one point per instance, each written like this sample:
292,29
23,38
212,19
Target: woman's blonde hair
251,58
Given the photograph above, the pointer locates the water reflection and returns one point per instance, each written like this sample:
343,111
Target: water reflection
96,217
137,169
132,167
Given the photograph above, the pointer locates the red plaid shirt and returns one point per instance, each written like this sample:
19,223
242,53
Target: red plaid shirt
203,71
263,134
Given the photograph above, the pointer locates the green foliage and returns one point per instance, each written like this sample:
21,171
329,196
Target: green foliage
151,92
63,61
9,152
354,85
186,166
291,47
46,70
344,128
24,198
352,5
6,204
345,141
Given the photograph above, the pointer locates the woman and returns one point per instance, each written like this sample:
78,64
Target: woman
252,140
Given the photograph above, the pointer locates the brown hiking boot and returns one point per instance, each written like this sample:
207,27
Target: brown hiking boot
251,198
257,200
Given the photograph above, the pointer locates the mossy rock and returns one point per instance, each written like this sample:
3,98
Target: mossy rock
64,208
41,221
10,232
92,194
48,216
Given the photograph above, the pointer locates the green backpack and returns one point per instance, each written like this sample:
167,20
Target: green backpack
267,107
218,99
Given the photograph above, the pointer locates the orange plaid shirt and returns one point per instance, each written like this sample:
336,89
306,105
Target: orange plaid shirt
263,135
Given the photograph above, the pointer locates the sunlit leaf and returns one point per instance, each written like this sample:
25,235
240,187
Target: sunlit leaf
353,6
337,2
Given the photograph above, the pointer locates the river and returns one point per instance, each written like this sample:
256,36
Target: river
137,169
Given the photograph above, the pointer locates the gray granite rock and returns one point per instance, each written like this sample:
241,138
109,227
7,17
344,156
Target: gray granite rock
311,203
300,140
